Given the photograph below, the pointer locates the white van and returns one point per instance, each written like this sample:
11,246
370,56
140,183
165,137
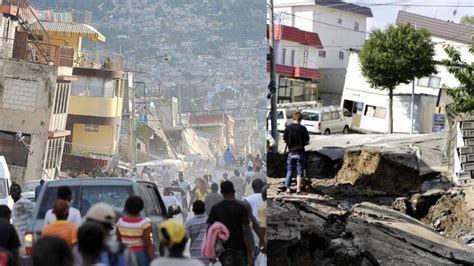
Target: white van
327,120
5,183
284,118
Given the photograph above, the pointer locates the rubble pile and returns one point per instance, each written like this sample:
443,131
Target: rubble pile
450,215
368,234
379,170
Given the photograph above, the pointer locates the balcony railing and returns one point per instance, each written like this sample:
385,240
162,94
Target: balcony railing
100,59
87,151
28,52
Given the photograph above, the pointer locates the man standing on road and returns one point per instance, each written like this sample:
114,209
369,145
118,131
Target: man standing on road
296,138
234,215
228,158
196,229
38,189
239,185
74,215
186,186
212,198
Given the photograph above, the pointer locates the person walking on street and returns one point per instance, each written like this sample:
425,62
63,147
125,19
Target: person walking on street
135,231
235,216
255,200
90,244
196,229
61,228
8,236
22,211
239,185
228,158
296,137
38,189
212,198
116,253
74,216
52,251
173,236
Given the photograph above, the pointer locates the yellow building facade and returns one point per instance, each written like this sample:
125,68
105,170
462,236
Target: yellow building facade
96,101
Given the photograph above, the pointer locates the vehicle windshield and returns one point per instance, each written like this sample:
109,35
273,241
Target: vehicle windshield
3,188
115,196
30,186
280,115
310,116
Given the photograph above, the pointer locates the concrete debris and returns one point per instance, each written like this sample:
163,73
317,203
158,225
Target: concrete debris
380,170
450,216
299,234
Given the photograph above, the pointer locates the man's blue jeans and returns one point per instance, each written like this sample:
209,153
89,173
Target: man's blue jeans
295,160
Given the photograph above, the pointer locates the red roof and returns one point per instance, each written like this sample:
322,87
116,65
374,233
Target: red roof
297,72
293,34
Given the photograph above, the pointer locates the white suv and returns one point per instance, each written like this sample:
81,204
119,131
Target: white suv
327,120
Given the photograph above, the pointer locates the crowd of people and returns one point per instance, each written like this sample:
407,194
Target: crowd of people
227,224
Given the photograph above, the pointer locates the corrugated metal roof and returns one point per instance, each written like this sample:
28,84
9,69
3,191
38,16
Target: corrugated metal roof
348,7
69,29
438,28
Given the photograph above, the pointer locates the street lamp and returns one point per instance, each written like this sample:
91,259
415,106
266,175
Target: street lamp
166,57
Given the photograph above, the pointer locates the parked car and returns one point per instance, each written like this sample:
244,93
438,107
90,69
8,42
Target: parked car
87,192
327,120
28,189
284,118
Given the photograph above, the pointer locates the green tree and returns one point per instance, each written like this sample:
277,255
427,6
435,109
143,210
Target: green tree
394,56
463,95
467,20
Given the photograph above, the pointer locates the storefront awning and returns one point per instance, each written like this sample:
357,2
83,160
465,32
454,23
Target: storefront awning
69,30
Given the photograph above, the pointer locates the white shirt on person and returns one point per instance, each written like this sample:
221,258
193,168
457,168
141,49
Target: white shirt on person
255,200
175,262
73,217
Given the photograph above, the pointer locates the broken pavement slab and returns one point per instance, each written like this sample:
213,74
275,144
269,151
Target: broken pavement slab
299,234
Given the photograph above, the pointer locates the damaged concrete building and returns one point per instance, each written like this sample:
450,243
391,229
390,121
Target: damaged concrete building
35,82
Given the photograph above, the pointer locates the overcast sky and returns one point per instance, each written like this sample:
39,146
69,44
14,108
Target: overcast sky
387,14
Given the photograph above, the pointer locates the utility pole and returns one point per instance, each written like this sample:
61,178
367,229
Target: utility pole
179,105
412,106
272,86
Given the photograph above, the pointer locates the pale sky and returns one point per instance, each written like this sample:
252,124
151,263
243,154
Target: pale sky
387,14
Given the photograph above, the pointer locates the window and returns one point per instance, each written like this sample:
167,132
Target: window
91,128
109,89
430,82
3,188
322,53
79,87
95,87
356,26
375,111
310,116
292,58
327,116
341,55
289,114
335,115
346,113
283,55
14,151
339,21
148,200
115,196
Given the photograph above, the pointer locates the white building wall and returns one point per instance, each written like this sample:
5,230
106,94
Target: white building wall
356,88
335,37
